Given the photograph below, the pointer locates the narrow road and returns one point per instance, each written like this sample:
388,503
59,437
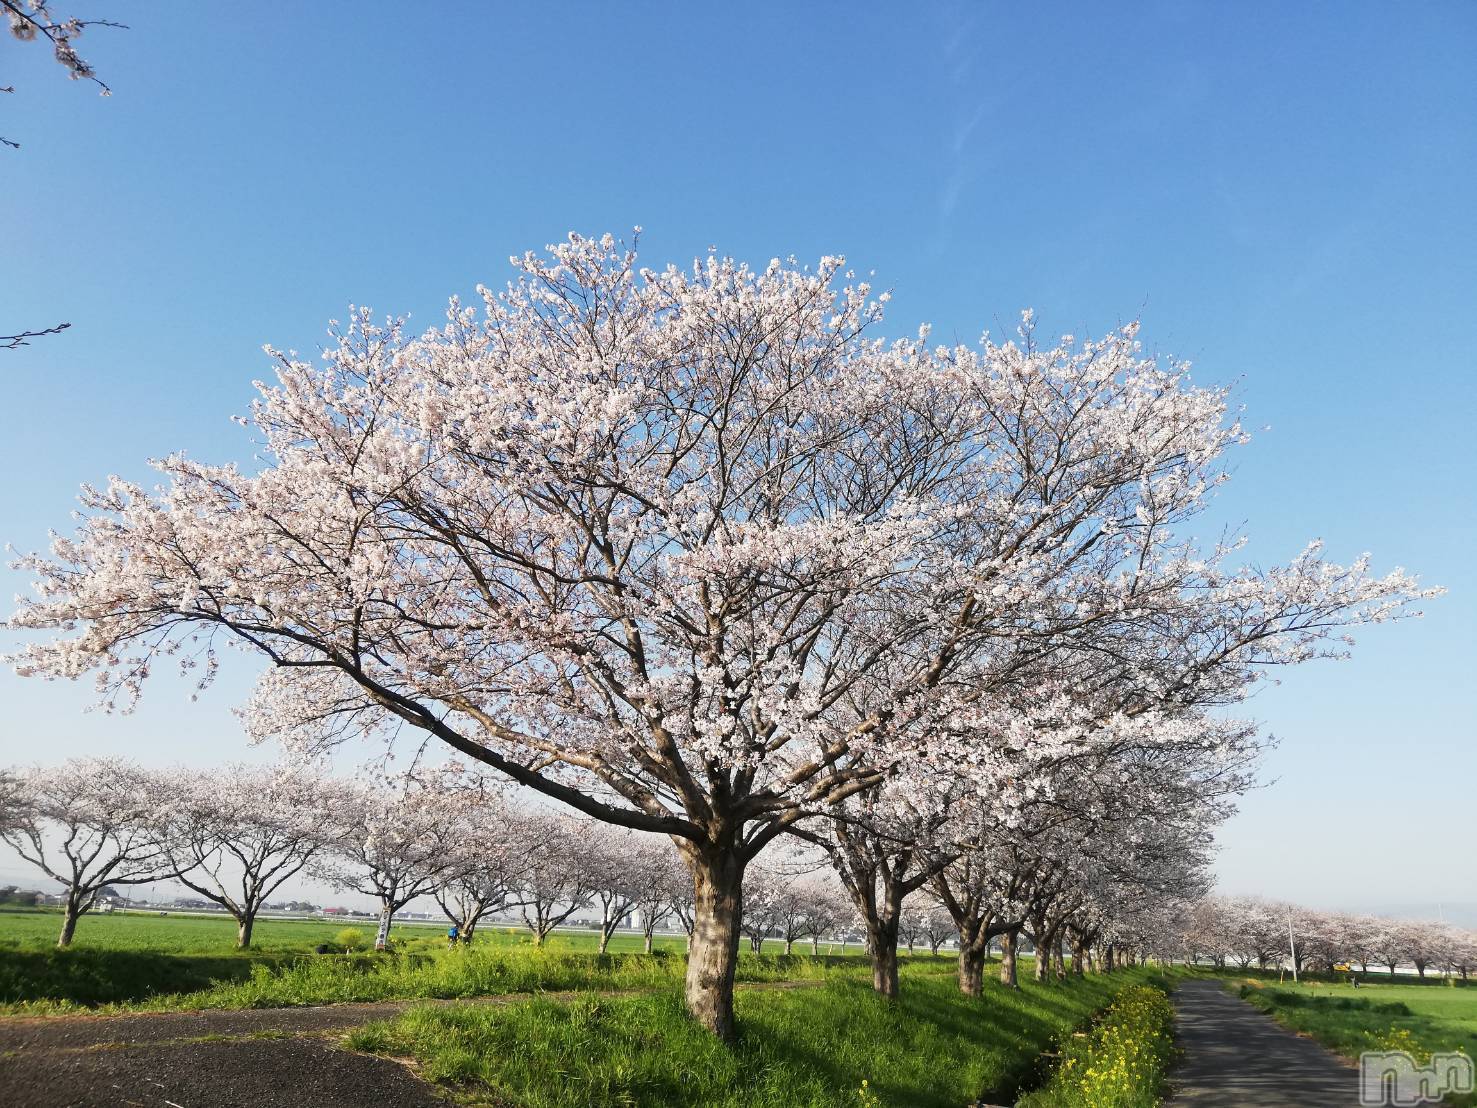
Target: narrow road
1238,1057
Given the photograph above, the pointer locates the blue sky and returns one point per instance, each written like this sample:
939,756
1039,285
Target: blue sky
1283,193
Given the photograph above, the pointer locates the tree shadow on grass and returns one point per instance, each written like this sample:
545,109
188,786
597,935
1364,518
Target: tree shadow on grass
91,977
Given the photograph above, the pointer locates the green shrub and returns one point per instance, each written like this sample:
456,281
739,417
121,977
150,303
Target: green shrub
351,939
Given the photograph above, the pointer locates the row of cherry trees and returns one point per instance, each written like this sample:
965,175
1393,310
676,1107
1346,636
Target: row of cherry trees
235,835
1249,931
694,552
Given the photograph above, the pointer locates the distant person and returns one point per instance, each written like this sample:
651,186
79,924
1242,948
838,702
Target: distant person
453,933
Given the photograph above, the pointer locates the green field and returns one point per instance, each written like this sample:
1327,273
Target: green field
1435,1016
180,961
175,933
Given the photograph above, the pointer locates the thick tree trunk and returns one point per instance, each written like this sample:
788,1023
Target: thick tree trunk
884,968
69,922
974,952
244,924
789,946
1079,957
718,883
882,946
971,971
815,945
647,944
1041,967
1007,960
466,933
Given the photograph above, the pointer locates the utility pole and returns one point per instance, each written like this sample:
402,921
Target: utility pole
1293,947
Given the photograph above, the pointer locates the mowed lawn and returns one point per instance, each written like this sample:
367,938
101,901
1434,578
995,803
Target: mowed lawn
1436,1016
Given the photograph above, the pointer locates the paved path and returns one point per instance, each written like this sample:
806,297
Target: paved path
1238,1057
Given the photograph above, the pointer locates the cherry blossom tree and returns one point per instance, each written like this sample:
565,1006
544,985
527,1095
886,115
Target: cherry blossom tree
1253,929
394,841
910,927
10,798
885,845
491,841
628,872
558,878
1262,929
236,834
1461,953
937,927
638,539
682,900
1423,944
662,884
1359,933
805,908
764,895
827,910
790,896
90,823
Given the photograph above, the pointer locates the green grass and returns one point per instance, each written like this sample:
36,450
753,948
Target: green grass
488,972
1439,1017
29,929
1432,1017
805,1046
141,962
130,959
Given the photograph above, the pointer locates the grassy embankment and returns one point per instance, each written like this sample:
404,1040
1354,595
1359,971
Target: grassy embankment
838,1044
1419,1018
